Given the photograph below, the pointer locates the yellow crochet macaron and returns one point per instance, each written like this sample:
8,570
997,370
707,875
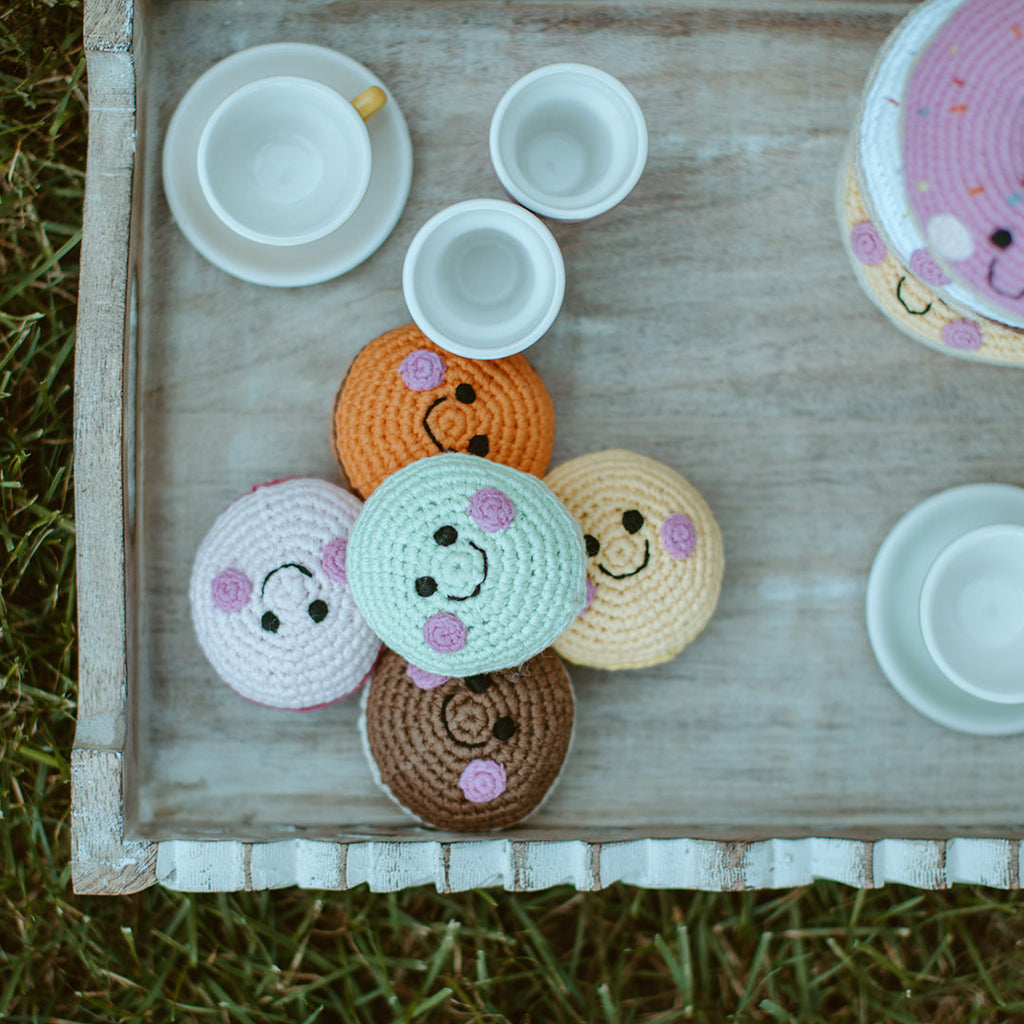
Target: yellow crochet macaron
655,559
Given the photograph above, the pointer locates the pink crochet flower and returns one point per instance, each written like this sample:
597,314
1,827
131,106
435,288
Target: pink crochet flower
924,268
482,781
422,370
492,510
866,244
332,558
962,334
679,535
425,680
445,633
230,590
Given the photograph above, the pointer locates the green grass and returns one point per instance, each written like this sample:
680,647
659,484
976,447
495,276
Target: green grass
818,953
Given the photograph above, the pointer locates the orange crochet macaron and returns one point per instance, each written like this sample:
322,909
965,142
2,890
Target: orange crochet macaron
404,398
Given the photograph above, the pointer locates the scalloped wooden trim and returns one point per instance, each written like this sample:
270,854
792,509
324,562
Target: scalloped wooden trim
211,866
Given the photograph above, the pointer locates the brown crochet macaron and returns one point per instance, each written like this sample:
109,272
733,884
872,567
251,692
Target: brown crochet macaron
473,754
404,398
654,559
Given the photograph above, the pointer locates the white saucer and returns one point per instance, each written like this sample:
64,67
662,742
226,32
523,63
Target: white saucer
294,265
894,590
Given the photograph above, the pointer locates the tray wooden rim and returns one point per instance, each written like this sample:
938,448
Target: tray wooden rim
106,859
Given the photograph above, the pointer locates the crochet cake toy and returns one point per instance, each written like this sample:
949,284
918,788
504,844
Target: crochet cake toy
655,559
404,398
963,150
472,753
463,566
271,604
908,296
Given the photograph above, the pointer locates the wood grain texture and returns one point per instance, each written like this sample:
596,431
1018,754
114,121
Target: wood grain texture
711,322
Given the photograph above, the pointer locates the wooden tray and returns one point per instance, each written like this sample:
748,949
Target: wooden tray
711,321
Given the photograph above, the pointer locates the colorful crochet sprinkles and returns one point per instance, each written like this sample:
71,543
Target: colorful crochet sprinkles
909,296
404,399
963,149
655,559
468,754
270,599
462,565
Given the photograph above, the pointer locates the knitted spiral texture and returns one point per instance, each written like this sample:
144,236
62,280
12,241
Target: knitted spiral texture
963,150
464,566
909,295
271,604
404,398
468,754
655,559
932,199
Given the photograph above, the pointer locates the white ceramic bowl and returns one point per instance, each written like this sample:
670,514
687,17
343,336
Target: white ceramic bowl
972,613
568,141
483,279
284,160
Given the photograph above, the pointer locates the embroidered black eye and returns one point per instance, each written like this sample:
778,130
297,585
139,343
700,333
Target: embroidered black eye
465,394
318,611
478,445
478,684
270,622
632,520
1001,238
593,545
445,536
426,585
503,728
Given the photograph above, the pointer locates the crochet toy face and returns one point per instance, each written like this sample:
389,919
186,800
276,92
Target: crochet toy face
464,566
404,399
655,559
468,754
270,599
907,295
964,149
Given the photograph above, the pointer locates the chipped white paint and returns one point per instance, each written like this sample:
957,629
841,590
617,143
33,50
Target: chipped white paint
983,862
789,730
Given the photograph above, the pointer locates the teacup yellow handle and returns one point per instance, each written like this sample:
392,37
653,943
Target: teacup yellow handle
369,101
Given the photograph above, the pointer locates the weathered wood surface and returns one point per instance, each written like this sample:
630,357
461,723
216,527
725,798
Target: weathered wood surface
711,322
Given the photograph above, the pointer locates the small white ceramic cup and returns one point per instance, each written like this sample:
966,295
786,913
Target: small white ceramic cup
483,278
286,160
568,141
972,613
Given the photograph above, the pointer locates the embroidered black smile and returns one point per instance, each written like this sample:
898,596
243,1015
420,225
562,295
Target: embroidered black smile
483,579
503,727
633,572
426,586
903,301
287,565
992,282
478,443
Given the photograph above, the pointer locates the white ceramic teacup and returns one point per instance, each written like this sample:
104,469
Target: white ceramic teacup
972,613
568,141
483,278
286,160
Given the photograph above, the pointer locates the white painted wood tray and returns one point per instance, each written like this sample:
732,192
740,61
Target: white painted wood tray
711,321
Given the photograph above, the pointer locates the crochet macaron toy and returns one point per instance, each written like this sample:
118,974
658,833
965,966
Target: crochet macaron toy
404,398
463,566
468,753
271,604
655,559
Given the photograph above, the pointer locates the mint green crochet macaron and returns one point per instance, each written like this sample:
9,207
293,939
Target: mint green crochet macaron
463,566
